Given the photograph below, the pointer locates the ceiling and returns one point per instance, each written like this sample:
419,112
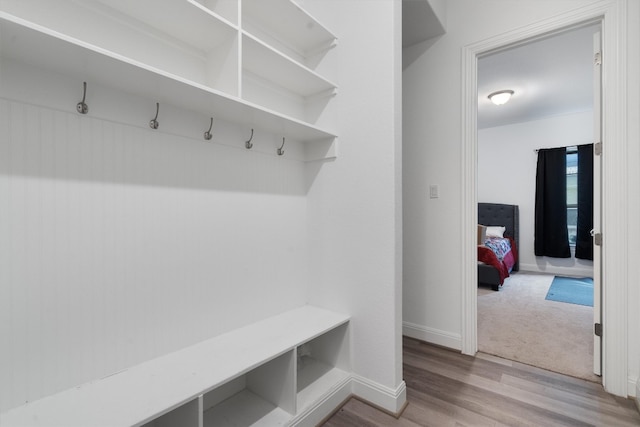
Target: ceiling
550,76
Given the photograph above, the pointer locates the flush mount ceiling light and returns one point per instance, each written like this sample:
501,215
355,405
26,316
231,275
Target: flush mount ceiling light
500,97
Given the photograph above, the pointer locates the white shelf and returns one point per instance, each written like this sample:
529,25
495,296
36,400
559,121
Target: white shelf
143,392
35,45
288,23
197,25
266,62
245,409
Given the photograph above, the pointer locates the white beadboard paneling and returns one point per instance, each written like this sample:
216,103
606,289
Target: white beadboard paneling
125,243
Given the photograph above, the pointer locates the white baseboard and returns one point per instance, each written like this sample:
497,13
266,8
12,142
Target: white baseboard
385,398
388,399
633,386
557,270
433,336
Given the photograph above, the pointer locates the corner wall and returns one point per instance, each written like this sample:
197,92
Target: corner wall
355,221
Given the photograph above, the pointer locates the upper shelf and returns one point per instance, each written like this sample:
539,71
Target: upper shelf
205,28
287,22
270,64
30,43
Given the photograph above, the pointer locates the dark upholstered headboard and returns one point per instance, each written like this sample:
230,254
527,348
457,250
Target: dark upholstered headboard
502,215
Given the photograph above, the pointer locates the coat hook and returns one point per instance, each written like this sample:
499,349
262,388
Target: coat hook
280,150
154,123
248,143
82,107
207,134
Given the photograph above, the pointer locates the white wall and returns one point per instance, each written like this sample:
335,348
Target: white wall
433,121
355,201
507,173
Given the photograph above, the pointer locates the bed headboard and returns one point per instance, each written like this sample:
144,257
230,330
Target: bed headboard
502,215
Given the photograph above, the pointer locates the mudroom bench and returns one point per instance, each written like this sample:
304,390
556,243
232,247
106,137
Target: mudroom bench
290,369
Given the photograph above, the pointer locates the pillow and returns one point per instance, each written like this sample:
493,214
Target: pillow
495,231
482,234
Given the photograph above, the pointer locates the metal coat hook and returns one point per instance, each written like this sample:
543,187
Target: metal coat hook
82,107
280,150
248,143
207,134
154,122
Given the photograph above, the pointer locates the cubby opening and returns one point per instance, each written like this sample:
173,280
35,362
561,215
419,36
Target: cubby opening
187,415
264,395
322,364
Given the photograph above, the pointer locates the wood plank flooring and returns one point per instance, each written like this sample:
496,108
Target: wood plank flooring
446,388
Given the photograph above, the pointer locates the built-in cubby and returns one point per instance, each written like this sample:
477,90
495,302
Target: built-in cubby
264,395
273,372
321,363
186,415
247,62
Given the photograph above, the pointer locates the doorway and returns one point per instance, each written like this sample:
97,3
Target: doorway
551,79
614,179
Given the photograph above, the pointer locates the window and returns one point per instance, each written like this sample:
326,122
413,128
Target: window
572,194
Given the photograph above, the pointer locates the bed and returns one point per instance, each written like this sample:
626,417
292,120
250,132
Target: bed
491,270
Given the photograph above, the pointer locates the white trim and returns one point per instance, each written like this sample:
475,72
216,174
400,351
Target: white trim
633,386
386,398
381,396
614,172
433,336
561,271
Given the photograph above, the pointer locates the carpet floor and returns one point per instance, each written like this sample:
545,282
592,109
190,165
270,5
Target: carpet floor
518,323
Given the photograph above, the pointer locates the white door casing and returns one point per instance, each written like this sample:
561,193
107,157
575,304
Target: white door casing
612,15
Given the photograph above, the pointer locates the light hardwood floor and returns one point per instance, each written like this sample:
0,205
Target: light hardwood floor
446,388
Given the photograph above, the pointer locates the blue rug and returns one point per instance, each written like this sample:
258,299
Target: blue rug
571,290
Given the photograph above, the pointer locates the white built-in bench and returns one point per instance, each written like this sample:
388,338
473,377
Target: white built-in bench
279,371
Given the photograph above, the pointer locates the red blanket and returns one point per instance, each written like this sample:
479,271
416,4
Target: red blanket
504,266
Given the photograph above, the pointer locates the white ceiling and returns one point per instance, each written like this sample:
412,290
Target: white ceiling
551,76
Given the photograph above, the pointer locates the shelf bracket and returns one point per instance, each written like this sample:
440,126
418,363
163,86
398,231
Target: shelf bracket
154,122
82,107
280,150
207,134
248,145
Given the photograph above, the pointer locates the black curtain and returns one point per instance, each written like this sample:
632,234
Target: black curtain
584,241
551,237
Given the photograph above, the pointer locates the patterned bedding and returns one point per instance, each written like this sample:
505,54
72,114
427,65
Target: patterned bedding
500,253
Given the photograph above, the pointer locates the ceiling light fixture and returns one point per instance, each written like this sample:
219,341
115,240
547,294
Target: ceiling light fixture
500,97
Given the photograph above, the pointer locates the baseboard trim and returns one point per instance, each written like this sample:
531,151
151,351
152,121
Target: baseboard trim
433,336
385,398
634,389
560,271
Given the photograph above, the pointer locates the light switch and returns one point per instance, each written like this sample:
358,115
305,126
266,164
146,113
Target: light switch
434,191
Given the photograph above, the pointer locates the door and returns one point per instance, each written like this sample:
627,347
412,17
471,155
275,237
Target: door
597,182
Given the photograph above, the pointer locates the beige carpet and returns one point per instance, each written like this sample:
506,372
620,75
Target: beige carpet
517,323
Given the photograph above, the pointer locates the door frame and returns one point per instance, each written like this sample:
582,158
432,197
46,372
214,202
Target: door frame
612,16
